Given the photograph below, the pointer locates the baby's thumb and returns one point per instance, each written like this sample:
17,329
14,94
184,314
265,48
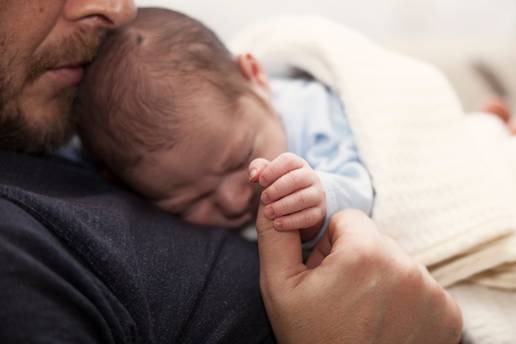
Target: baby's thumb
256,168
280,252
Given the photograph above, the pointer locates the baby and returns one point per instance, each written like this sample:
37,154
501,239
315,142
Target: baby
167,109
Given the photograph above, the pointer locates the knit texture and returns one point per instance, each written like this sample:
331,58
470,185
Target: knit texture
488,314
441,191
444,183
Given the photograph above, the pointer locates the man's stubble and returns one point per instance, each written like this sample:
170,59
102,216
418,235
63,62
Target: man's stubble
24,132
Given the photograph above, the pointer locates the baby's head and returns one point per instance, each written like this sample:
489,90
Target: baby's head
169,110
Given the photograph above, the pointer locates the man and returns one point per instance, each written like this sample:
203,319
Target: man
83,261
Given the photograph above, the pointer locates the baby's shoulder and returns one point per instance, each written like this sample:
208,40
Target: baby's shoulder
302,97
299,88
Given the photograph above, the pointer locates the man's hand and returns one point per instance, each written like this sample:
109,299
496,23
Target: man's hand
358,286
293,195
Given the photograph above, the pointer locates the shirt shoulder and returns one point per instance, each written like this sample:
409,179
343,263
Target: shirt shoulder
42,280
92,263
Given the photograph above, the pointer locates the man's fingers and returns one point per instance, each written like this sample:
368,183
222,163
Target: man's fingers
353,232
283,164
256,167
344,224
318,254
347,230
280,252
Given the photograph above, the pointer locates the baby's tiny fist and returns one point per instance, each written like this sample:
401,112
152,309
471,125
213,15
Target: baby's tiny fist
255,169
269,212
253,173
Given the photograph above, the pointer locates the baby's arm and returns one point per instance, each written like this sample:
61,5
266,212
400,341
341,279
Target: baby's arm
298,196
293,194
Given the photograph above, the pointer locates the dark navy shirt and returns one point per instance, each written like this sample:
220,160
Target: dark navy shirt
82,261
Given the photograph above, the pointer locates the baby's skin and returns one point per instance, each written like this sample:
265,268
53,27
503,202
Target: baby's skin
217,173
197,133
293,195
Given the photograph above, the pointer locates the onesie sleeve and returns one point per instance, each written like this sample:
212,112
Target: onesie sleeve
332,153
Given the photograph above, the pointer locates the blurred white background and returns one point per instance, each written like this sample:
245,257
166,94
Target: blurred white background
455,35
382,19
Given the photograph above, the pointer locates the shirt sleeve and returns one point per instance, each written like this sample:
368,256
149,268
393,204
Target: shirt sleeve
332,153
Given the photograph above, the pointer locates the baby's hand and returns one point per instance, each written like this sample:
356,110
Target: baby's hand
293,195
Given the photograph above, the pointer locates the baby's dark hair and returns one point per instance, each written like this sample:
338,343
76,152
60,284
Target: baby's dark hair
122,109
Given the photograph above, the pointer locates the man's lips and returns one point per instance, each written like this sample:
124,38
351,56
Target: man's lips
67,76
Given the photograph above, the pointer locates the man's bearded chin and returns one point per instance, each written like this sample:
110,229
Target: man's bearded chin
24,130
19,134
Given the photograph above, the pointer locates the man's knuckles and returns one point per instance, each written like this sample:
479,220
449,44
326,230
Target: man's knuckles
346,222
360,257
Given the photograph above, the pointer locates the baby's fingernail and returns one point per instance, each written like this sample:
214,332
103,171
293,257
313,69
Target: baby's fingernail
265,198
278,224
253,173
269,212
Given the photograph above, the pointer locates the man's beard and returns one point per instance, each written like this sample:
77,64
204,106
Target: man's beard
18,136
18,131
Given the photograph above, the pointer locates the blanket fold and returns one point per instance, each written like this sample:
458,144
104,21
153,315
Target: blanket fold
444,192
444,182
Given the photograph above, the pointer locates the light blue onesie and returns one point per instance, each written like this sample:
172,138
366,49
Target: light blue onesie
317,130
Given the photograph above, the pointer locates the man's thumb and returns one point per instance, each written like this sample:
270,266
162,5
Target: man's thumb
280,252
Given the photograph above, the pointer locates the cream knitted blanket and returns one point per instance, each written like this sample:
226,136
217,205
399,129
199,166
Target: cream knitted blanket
444,190
445,183
445,193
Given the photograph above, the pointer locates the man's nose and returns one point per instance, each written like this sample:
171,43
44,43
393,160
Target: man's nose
234,195
102,13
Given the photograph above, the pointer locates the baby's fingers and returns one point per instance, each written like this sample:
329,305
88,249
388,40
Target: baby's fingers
256,167
283,164
300,200
301,220
288,183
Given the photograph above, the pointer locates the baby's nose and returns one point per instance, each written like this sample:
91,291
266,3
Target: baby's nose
234,196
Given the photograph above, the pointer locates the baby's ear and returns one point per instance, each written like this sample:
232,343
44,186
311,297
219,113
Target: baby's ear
254,73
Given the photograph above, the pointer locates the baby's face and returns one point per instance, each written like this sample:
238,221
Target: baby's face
204,179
